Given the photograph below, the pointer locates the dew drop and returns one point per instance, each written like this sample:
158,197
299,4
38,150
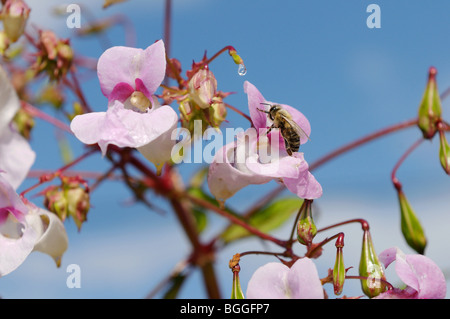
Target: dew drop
242,70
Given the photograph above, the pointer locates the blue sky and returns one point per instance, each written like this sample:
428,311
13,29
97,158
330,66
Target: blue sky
318,56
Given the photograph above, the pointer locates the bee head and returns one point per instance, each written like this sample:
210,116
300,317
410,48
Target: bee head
274,108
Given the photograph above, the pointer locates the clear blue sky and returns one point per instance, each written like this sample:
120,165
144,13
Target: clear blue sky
318,56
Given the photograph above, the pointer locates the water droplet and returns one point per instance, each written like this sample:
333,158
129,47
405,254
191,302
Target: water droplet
242,70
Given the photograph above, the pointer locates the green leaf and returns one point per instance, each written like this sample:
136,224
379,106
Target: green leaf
267,219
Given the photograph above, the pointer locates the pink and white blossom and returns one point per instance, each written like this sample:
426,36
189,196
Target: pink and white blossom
278,281
422,277
257,158
128,78
16,155
25,228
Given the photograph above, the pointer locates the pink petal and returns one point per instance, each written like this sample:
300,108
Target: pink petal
124,64
16,156
121,92
261,120
277,281
285,167
418,272
9,198
304,186
303,280
224,179
269,282
122,127
255,99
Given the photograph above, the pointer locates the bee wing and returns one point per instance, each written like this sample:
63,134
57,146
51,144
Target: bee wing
297,128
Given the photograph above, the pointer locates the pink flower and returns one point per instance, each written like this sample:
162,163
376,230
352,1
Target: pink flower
257,158
128,78
278,281
16,155
25,228
423,278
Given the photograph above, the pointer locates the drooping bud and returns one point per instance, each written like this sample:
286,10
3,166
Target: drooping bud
370,267
15,14
306,229
236,291
339,267
203,88
430,110
444,150
411,228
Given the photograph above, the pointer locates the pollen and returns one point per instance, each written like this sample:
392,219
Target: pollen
140,101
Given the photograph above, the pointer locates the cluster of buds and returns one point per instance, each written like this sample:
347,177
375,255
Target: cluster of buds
71,198
55,55
14,14
197,96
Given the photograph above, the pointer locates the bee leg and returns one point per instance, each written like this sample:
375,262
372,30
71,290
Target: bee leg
269,129
288,147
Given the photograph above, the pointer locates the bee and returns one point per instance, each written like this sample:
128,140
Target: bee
290,131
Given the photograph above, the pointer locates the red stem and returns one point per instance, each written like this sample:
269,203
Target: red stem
394,179
362,141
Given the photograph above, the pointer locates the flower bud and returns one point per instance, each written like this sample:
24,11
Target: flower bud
68,199
370,268
56,202
444,152
24,122
430,108
4,42
339,268
411,228
236,291
55,56
203,87
218,112
15,14
306,229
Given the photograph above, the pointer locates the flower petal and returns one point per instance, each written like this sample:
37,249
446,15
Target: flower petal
269,282
123,127
9,198
14,250
418,272
123,64
224,179
10,103
16,156
304,186
303,280
261,120
121,92
52,235
255,98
